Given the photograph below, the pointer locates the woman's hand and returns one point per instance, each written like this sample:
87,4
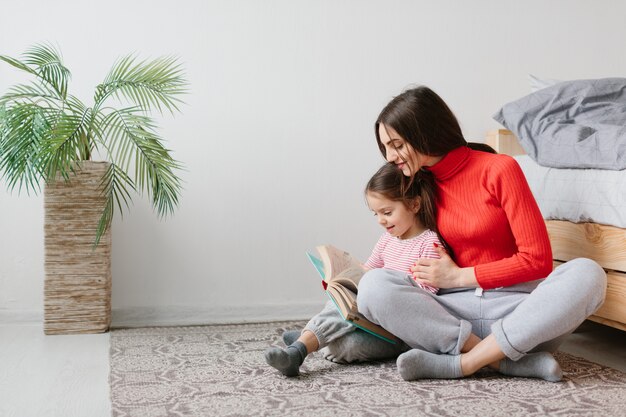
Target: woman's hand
442,272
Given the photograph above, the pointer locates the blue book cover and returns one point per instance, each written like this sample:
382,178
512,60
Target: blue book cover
317,263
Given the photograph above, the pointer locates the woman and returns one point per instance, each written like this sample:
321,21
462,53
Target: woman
494,308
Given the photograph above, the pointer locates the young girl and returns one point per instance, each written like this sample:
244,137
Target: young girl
405,208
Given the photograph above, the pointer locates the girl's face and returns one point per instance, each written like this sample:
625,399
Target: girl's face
401,153
398,219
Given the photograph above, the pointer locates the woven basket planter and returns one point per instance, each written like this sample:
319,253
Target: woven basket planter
77,287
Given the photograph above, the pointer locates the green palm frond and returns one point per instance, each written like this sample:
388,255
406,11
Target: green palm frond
22,130
34,93
155,84
115,185
48,65
17,64
64,145
115,134
87,144
133,140
154,171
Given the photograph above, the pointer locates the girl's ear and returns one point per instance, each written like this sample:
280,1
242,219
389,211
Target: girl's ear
416,205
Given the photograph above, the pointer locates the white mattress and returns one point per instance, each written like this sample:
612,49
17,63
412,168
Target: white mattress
577,195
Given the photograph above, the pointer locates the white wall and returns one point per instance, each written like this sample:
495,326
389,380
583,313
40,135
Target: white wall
277,134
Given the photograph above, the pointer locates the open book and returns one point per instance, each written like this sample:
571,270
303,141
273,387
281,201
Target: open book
341,274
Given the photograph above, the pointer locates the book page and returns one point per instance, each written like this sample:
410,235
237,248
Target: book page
343,299
350,277
336,261
339,301
348,297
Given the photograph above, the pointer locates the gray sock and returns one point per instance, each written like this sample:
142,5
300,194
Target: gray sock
287,360
533,365
419,364
291,336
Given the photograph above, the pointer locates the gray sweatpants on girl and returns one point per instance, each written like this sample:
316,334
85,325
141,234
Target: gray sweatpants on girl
529,317
346,343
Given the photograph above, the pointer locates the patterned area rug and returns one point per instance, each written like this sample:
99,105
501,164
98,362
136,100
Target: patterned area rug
220,371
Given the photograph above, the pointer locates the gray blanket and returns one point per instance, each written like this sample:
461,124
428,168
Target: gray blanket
572,124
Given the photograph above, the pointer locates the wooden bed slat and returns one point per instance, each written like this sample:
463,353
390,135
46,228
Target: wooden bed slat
604,244
606,322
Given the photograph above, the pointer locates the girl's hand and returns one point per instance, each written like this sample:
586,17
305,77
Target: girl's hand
440,273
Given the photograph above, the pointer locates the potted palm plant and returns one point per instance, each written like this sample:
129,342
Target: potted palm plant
49,139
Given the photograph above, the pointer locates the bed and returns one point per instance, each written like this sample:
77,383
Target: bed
583,237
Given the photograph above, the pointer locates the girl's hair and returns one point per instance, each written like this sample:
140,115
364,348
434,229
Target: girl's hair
389,182
426,122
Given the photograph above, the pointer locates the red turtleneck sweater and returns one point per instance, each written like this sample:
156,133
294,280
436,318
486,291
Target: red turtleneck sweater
489,217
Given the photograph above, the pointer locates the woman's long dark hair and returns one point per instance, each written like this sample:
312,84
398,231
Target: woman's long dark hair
425,121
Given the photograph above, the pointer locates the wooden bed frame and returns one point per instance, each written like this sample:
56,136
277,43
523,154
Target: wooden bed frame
604,244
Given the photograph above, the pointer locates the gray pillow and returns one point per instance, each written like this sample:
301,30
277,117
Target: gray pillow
572,124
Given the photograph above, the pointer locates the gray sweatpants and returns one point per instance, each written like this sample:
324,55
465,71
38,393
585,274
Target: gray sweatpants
533,316
344,342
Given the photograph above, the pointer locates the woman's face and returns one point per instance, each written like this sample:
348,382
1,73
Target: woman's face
398,151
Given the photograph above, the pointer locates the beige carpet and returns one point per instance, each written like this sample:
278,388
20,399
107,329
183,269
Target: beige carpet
220,371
